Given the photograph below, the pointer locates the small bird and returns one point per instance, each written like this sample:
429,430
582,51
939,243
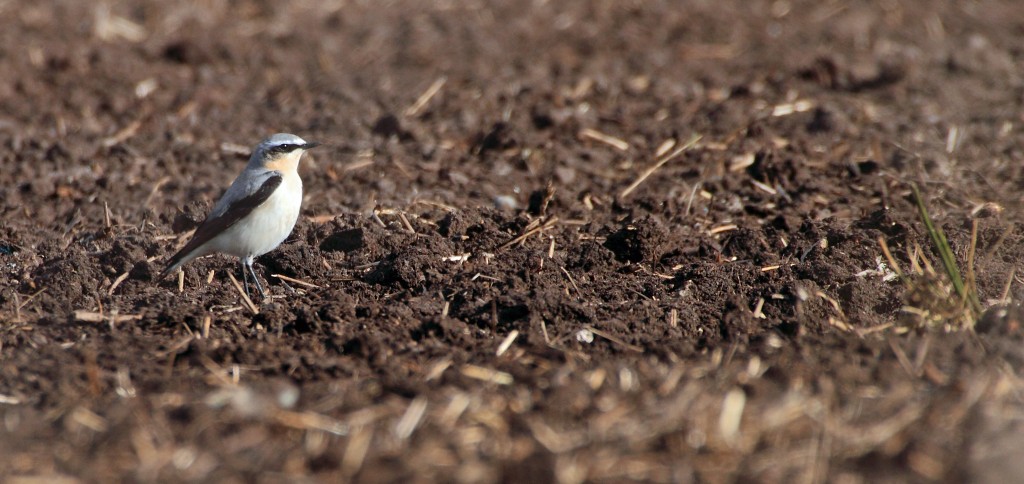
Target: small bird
257,212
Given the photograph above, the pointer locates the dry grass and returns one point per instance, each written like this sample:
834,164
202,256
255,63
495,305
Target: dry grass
721,419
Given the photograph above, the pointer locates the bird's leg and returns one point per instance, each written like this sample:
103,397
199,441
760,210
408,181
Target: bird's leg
256,279
245,277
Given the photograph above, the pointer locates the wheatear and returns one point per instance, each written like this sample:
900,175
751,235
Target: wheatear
257,212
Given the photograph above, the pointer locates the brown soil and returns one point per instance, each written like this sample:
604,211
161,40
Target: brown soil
728,319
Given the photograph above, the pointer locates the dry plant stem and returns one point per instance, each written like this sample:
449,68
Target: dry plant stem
522,237
245,297
355,451
98,317
667,158
888,256
405,223
411,419
117,282
999,242
19,304
614,339
106,215
486,374
571,280
607,139
421,102
507,342
17,308
901,356
295,281
156,189
1005,296
972,282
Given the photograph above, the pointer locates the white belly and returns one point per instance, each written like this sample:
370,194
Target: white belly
266,226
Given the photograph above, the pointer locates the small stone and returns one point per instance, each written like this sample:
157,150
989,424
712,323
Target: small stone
505,202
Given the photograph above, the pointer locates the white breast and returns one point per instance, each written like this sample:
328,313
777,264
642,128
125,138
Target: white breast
267,226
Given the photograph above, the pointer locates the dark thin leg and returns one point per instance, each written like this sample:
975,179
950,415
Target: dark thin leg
245,278
248,263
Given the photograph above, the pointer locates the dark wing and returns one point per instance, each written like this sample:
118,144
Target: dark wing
237,210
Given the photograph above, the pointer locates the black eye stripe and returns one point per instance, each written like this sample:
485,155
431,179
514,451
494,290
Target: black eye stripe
282,149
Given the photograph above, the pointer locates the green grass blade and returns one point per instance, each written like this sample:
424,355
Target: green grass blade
945,252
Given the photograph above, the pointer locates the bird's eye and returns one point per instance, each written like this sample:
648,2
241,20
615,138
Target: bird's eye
282,149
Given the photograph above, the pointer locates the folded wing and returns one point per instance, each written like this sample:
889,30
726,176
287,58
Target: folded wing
220,220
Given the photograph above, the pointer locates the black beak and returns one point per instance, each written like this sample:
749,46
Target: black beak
309,146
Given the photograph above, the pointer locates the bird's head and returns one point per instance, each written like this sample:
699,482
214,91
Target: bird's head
280,152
